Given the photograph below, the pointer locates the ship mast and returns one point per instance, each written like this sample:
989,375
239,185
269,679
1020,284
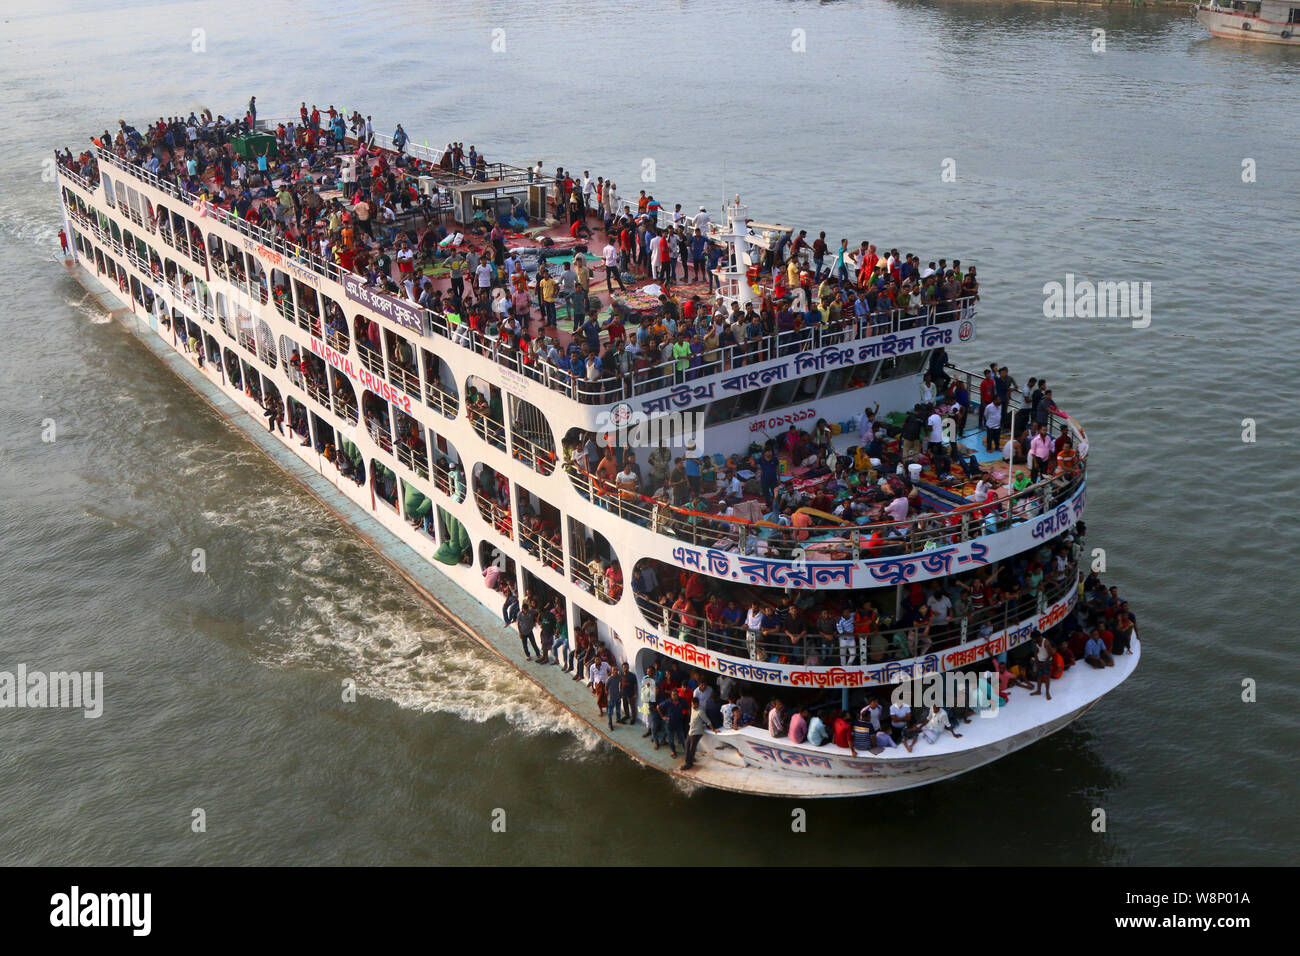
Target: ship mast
735,286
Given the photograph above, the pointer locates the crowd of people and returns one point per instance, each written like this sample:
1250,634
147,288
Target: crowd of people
676,705
797,491
327,188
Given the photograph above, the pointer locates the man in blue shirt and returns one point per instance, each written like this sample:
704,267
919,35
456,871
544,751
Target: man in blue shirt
671,715
591,332
1095,653
715,256
691,462
812,321
863,312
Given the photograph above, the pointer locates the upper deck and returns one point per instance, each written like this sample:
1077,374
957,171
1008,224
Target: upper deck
887,337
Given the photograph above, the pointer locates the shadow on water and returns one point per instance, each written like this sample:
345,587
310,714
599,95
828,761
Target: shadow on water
1032,807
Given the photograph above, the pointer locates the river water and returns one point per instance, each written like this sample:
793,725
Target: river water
223,689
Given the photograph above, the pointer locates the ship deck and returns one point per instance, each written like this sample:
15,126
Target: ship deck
640,302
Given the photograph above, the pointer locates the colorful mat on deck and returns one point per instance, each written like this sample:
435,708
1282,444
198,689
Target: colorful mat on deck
642,300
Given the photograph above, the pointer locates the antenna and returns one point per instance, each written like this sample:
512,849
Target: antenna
722,202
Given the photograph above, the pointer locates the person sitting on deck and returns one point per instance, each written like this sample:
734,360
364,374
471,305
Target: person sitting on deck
1095,652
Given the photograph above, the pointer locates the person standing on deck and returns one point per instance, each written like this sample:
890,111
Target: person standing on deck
670,258
612,275
840,269
1041,449
648,692
819,256
510,606
525,621
546,623
627,687
656,259
1004,384
582,277
568,283
399,139
699,727
671,715
702,222
992,420
547,289
769,471
714,258
1043,665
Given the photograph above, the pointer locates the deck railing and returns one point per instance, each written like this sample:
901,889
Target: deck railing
879,646
416,459
439,398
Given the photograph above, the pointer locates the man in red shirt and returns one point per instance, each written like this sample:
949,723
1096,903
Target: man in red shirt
695,588
617,331
868,265
843,730
819,255
988,388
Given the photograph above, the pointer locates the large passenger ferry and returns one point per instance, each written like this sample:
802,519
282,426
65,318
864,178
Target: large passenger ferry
761,493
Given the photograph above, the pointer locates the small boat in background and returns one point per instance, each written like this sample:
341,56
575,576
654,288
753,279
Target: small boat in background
1269,21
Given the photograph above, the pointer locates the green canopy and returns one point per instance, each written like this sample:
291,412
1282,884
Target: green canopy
418,506
351,451
457,545
254,145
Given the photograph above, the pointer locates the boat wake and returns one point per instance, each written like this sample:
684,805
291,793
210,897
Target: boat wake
433,669
41,232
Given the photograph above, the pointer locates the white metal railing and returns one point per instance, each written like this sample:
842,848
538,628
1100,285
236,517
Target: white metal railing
370,359
415,459
439,398
405,379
